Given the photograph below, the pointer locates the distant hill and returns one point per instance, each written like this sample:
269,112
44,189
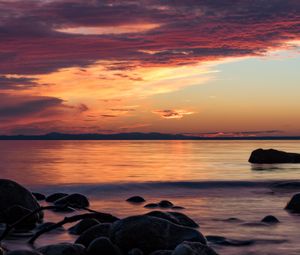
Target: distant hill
135,136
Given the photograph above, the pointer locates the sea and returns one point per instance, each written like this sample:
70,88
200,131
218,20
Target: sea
213,180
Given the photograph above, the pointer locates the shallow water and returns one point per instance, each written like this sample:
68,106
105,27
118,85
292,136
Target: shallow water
211,179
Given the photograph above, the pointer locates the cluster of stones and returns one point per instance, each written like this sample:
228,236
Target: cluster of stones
153,233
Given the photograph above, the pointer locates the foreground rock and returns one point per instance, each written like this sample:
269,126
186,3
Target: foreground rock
294,204
62,249
53,197
102,245
88,236
13,194
175,217
73,200
82,226
150,234
193,248
272,156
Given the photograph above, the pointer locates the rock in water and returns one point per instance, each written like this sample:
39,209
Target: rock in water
193,248
73,200
136,199
270,219
62,249
13,194
53,197
88,236
294,204
39,196
82,226
102,245
15,213
150,234
272,156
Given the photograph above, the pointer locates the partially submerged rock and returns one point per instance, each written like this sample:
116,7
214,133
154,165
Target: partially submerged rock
294,204
150,234
55,196
73,200
13,194
83,225
174,217
136,199
271,156
39,196
100,230
165,204
270,219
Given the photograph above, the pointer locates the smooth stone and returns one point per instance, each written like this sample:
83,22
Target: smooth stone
174,217
39,196
294,204
165,204
62,249
13,194
102,245
105,217
53,197
82,226
193,248
23,252
292,185
184,220
135,251
15,213
74,200
220,240
150,234
271,156
49,224
270,219
151,205
100,230
136,199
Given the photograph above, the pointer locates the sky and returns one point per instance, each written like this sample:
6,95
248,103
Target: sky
198,67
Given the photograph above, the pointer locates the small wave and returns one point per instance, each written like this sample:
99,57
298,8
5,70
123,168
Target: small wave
106,188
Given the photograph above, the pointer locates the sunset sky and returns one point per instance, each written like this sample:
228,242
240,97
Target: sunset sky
199,67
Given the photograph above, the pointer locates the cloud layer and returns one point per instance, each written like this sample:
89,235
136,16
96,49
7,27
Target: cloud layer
36,38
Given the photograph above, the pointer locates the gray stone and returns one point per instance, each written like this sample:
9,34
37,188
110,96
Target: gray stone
102,245
193,248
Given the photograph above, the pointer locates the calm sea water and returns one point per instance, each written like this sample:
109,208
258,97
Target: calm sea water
211,179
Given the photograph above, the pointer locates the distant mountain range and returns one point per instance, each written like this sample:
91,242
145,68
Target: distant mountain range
136,136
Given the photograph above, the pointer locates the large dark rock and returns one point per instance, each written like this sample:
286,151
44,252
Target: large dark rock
82,226
73,200
55,196
150,234
174,217
62,249
102,245
272,156
39,196
135,251
13,194
17,212
294,204
100,230
193,248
